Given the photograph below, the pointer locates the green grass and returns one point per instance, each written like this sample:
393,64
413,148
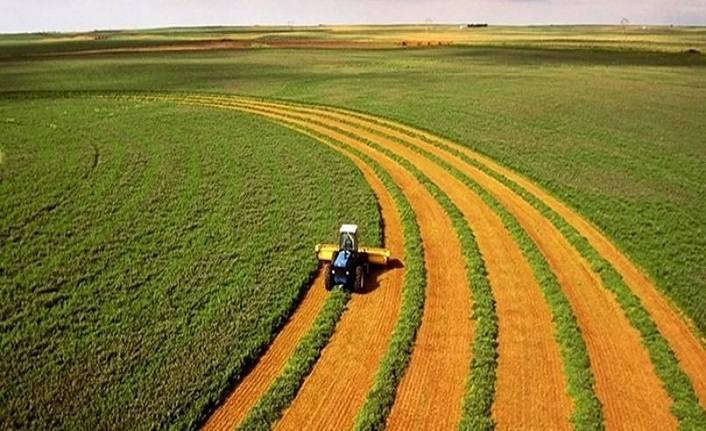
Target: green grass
151,253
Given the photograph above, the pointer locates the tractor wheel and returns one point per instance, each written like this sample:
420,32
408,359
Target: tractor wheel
328,280
359,279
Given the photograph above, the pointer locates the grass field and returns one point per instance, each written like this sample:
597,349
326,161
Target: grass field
615,134
138,237
129,254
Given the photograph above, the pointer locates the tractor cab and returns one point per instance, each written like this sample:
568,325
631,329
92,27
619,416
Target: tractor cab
348,240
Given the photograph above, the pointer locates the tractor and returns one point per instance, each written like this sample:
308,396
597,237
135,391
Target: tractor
347,263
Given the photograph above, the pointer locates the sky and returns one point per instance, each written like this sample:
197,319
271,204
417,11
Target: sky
20,16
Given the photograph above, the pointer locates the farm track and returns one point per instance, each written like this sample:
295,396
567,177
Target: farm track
626,384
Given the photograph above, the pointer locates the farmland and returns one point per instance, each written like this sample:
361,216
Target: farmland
159,210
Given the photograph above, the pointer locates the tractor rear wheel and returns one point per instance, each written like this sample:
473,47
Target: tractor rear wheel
328,280
359,279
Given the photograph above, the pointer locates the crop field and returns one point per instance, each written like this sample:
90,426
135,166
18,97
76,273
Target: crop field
540,189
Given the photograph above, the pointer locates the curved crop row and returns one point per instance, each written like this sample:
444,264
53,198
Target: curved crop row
684,344
587,408
435,249
667,364
489,392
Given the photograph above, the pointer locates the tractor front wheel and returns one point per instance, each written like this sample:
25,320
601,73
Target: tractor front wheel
359,279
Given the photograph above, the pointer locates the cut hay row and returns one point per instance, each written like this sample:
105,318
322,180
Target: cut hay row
525,333
445,270
695,416
682,372
555,411
687,348
285,387
347,367
590,300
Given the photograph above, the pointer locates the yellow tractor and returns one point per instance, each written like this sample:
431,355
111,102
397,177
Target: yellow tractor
347,263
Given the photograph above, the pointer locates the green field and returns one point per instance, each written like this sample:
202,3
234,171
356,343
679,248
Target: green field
140,238
150,264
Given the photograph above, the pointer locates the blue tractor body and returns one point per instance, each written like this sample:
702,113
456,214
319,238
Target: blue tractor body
348,264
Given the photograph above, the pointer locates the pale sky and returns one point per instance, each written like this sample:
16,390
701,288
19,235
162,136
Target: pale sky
80,15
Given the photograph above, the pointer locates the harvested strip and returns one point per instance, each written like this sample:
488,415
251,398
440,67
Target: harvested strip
646,387
432,389
379,400
688,349
626,384
531,386
255,383
530,367
529,364
335,390
285,387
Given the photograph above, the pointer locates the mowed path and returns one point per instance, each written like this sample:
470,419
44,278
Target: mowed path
531,385
530,389
335,390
